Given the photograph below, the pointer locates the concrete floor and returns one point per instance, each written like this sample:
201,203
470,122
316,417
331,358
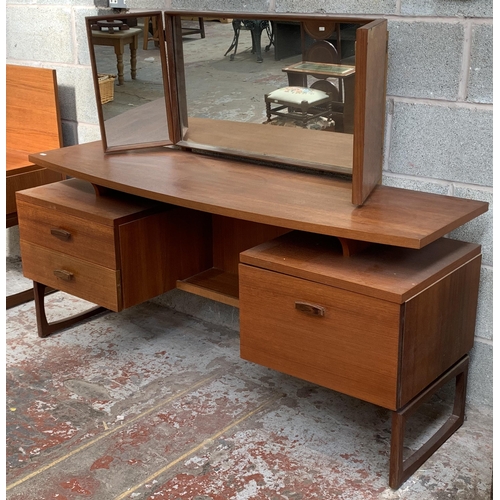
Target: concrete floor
152,403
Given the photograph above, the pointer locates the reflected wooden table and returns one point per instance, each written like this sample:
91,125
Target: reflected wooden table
118,40
297,76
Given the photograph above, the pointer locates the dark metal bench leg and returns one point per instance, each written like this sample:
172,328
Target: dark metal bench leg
44,327
234,43
400,469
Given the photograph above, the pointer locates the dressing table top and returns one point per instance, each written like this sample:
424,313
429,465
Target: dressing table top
285,198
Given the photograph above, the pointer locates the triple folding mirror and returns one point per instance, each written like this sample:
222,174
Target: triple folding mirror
299,91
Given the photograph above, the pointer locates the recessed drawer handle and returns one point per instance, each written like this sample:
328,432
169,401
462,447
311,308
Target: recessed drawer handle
64,275
311,309
60,233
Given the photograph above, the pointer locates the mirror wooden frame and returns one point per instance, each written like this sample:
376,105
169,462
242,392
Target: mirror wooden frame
369,95
136,123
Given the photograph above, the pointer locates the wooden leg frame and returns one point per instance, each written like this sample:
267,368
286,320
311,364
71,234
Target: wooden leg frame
44,327
400,469
16,299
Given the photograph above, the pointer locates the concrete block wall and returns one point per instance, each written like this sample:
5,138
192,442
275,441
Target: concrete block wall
439,108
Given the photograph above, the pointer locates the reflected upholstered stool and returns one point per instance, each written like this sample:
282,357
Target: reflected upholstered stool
302,103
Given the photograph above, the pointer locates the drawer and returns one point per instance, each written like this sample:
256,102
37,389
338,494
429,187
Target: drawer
352,348
85,279
59,231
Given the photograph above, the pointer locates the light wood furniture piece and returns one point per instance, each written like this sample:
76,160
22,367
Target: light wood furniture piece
118,40
385,305
32,124
297,98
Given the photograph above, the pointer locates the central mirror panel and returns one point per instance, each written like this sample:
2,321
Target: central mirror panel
276,89
282,89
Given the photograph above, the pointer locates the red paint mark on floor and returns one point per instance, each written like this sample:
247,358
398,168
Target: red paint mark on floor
102,463
75,486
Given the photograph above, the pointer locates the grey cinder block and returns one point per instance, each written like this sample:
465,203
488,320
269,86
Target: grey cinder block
41,33
222,5
479,230
481,65
484,322
338,7
425,59
480,383
76,94
441,142
442,188
468,8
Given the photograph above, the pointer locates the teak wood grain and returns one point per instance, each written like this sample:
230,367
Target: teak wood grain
25,178
229,237
89,281
173,245
32,124
278,197
233,236
389,273
435,303
66,233
290,145
32,109
344,350
439,328
143,246
78,198
213,284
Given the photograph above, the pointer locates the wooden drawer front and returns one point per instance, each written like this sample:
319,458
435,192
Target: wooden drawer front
353,348
87,240
89,281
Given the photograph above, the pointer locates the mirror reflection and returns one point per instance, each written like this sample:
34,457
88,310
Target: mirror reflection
279,89
128,57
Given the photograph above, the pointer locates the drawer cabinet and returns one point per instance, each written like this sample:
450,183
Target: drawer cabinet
380,325
319,333
115,250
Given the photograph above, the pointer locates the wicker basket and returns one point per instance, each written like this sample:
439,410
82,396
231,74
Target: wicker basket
106,87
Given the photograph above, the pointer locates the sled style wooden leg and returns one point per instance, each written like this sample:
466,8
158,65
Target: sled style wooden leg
44,327
400,469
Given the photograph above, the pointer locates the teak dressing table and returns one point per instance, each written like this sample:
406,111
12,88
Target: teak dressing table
371,300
